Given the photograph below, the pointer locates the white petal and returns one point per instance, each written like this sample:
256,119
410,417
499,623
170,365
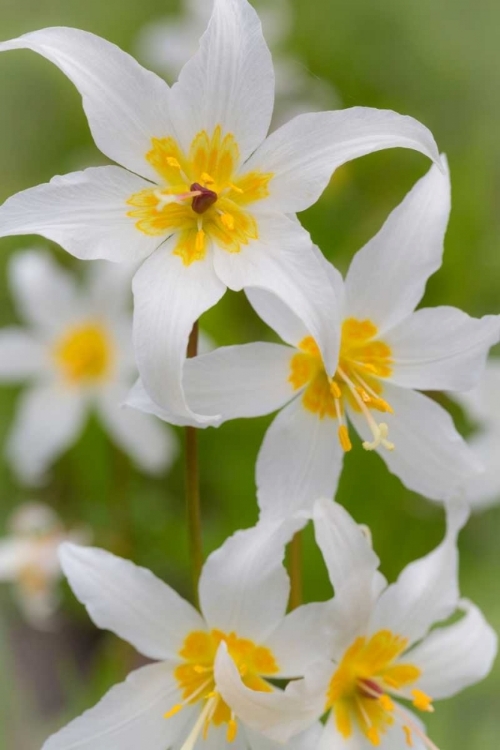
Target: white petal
277,315
22,357
304,153
387,278
426,592
13,556
129,716
280,714
109,290
331,739
307,740
130,601
301,639
454,657
483,490
48,421
139,398
482,404
239,381
47,295
84,212
244,586
429,457
126,105
150,445
169,298
230,80
299,461
441,348
283,261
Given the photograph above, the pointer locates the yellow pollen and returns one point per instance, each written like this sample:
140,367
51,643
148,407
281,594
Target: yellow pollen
335,390
373,735
84,354
171,207
232,730
173,711
408,735
344,438
386,703
422,701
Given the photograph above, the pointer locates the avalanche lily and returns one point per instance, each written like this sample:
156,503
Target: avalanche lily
176,703
383,654
29,560
387,351
204,198
75,354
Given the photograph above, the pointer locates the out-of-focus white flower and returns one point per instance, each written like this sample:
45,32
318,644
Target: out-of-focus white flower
75,354
387,354
206,198
166,45
29,559
384,652
175,703
482,405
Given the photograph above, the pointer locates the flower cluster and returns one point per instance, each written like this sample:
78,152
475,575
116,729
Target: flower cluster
206,200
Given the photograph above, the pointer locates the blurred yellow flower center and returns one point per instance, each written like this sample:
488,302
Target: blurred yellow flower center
360,689
196,678
84,354
201,197
363,361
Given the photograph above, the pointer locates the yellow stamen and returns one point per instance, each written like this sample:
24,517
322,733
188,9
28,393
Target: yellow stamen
381,405
228,221
232,730
335,389
236,189
344,438
422,701
200,241
206,179
373,735
173,162
173,711
386,703
408,735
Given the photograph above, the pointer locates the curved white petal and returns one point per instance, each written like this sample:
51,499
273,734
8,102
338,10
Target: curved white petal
244,586
152,447
139,398
229,81
307,740
284,262
482,404
331,739
48,421
169,298
239,381
130,601
277,315
109,291
483,491
430,457
128,717
454,657
304,153
126,105
84,212
280,714
46,295
387,278
427,591
441,348
299,461
22,357
301,639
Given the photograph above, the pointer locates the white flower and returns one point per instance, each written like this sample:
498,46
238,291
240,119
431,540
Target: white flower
76,354
166,45
386,352
211,206
175,703
482,405
383,652
29,560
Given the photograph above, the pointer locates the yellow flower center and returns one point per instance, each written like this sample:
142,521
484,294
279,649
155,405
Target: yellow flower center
195,677
84,354
363,361
361,688
201,196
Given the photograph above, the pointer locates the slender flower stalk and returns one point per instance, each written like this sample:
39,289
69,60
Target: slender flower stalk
193,505
295,560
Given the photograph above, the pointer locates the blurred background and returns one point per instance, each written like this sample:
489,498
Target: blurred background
436,60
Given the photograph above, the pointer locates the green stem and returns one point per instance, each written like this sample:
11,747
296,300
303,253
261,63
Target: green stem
295,569
193,505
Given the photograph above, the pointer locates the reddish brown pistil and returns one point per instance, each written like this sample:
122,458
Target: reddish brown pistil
202,202
370,689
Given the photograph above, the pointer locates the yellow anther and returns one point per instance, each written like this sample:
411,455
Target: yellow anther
386,703
373,735
335,389
422,701
236,189
364,395
408,735
173,162
200,241
206,179
201,670
232,730
382,405
228,221
344,438
173,711
212,694
243,670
